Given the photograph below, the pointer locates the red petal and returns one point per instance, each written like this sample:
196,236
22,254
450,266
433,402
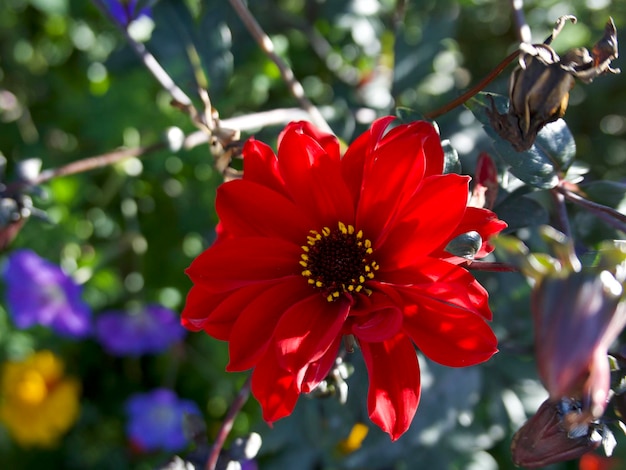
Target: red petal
217,313
354,161
260,165
329,142
448,335
308,329
394,176
319,370
255,325
249,209
275,389
380,320
430,217
236,262
434,154
394,390
314,181
443,282
198,306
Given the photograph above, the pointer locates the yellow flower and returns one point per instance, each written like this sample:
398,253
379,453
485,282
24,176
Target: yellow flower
354,440
38,404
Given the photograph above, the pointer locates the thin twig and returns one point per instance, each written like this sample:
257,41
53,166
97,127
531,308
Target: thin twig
227,424
152,64
98,161
471,92
266,45
244,123
523,30
612,217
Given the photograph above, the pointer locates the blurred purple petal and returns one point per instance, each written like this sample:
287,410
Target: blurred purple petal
155,420
149,331
40,293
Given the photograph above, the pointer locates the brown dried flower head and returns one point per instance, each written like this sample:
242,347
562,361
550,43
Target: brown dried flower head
539,87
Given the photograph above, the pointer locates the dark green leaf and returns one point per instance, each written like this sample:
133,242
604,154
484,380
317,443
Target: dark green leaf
522,211
609,193
465,245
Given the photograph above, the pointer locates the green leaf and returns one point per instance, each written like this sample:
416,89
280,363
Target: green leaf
465,245
539,166
608,193
520,211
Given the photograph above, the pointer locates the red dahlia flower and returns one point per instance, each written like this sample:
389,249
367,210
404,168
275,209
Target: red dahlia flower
313,247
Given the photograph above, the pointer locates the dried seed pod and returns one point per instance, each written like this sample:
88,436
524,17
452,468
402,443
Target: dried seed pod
539,87
544,440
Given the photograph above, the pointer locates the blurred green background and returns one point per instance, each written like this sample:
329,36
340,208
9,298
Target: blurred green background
71,88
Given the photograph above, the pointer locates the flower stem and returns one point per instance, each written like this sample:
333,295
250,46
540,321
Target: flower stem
561,213
491,266
267,46
474,90
227,424
612,217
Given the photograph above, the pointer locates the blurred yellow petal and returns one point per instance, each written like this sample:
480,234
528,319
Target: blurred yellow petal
38,404
354,440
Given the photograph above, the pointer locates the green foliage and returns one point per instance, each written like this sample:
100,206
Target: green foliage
70,87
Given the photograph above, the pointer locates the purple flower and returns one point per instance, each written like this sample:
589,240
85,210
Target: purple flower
125,11
155,420
40,293
148,331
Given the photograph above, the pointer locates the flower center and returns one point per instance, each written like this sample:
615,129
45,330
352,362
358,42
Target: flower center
337,261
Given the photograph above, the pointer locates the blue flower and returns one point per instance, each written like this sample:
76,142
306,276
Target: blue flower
126,11
40,293
155,420
148,331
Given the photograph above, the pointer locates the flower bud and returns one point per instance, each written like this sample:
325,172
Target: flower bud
576,318
543,439
486,184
